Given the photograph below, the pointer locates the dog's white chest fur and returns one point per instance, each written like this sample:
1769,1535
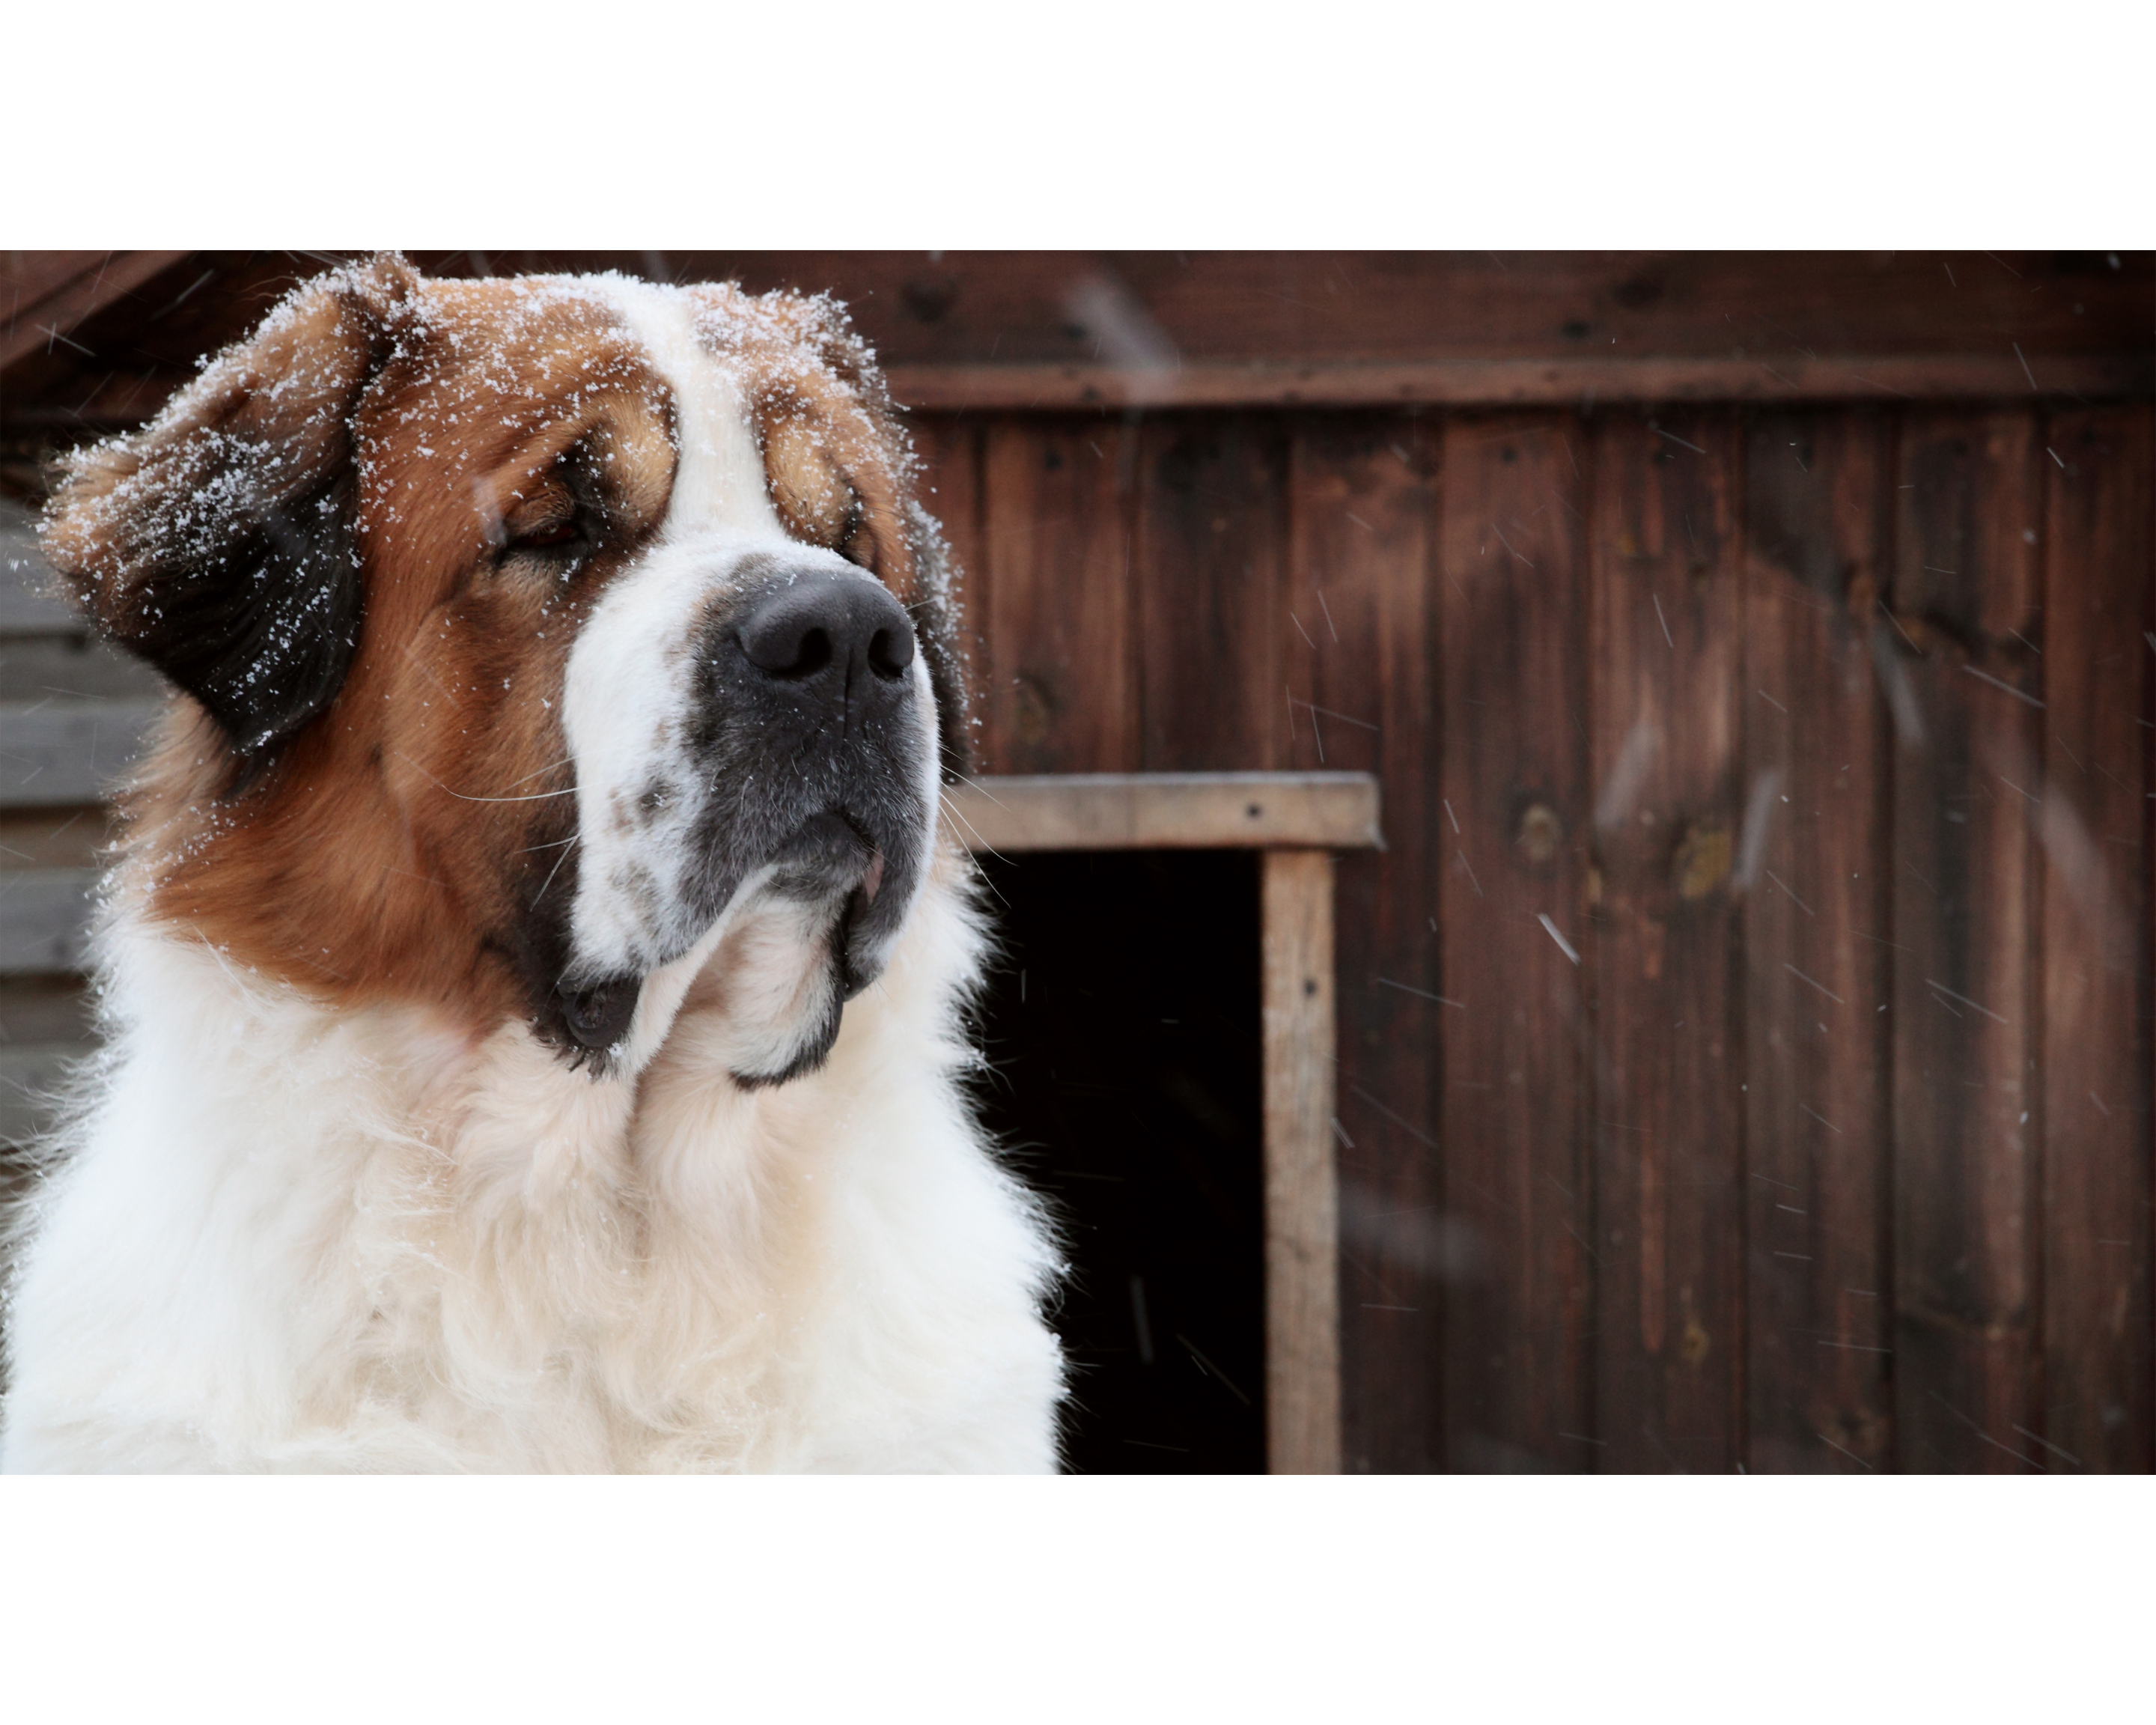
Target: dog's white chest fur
292,1239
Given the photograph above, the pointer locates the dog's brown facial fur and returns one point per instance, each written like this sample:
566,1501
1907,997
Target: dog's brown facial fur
363,543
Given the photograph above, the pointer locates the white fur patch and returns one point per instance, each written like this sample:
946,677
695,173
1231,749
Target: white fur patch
294,1239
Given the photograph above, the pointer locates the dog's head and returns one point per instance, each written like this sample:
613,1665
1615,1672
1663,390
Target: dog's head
527,627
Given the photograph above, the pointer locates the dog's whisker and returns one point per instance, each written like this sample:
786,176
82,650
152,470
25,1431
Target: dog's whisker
462,797
568,845
980,844
550,766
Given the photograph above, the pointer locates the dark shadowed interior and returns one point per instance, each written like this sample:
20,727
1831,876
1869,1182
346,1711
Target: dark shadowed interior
1122,1024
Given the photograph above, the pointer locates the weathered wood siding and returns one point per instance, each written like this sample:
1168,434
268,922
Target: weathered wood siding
1744,1050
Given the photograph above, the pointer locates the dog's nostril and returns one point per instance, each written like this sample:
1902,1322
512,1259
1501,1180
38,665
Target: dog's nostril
787,646
811,656
820,620
891,651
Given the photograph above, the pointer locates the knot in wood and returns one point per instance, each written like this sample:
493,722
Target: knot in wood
1540,832
1701,862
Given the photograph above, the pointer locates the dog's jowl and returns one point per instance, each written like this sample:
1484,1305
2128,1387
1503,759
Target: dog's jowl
531,972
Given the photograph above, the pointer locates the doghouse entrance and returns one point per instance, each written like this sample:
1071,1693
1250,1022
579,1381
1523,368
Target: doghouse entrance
1122,1022
1177,973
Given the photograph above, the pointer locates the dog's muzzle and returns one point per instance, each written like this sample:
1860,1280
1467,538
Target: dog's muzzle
807,757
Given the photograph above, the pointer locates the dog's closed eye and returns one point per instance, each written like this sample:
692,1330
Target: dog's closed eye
551,519
556,533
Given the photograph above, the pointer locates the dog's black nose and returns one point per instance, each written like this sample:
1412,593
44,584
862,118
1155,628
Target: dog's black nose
834,638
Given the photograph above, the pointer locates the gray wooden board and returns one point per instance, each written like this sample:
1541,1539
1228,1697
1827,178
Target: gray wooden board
28,605
36,668
61,754
31,1075
44,920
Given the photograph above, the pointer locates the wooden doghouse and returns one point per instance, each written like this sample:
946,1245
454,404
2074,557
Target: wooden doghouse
1737,1052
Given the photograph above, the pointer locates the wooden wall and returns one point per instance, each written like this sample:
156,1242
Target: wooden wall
1745,1053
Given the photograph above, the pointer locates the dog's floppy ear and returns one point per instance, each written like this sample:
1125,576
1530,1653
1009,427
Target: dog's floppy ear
217,542
935,626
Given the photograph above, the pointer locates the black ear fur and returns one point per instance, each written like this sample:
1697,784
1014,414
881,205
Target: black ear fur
936,627
217,542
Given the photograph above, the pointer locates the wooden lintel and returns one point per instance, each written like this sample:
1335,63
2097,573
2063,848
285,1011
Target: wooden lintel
1495,382
127,397
1184,811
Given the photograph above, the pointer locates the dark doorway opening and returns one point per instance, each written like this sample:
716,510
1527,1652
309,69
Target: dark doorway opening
1122,1025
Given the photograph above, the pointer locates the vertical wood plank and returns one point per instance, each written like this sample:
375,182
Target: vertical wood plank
1210,543
1302,1306
1361,654
949,449
1966,1224
1665,651
2092,832
1058,664
1812,864
1511,600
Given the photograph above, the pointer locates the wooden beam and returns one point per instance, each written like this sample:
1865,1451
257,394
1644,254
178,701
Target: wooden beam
1302,1282
1180,811
1493,382
54,291
1072,308
128,398
1028,329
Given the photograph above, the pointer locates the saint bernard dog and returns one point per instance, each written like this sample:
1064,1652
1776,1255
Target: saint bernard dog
533,970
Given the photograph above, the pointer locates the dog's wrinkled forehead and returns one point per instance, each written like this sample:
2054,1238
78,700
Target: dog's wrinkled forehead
763,406
720,478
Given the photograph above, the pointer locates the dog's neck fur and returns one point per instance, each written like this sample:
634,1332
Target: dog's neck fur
479,1257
